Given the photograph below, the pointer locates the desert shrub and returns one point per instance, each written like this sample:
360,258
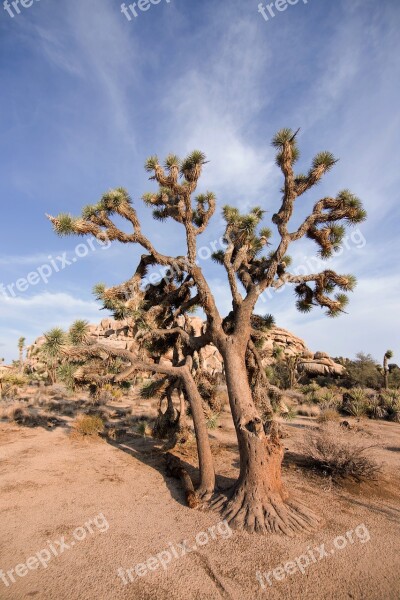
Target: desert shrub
391,403
394,376
355,403
279,374
340,453
363,371
329,399
115,392
311,391
308,410
63,408
99,396
28,417
289,414
88,425
394,414
327,415
10,382
325,381
376,409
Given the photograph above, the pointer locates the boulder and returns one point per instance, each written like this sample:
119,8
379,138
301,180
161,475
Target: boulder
120,335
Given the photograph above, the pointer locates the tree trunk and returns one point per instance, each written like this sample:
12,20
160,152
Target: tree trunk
206,464
385,373
166,423
182,410
259,501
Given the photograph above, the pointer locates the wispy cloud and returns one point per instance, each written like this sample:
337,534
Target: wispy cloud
30,317
88,94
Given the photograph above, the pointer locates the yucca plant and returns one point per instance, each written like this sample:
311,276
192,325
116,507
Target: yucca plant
51,351
289,414
66,374
328,399
376,408
143,428
78,332
212,420
311,392
355,403
391,403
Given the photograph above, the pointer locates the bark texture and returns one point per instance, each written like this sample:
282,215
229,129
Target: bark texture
259,500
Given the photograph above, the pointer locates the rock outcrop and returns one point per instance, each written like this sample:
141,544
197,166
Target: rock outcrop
320,364
120,335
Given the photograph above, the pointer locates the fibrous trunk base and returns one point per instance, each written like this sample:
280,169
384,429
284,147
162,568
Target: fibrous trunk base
255,510
259,501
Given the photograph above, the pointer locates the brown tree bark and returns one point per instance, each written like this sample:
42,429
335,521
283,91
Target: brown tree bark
206,464
259,500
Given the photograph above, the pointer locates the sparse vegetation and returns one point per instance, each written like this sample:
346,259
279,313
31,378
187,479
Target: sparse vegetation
308,410
328,415
10,382
340,454
88,425
355,403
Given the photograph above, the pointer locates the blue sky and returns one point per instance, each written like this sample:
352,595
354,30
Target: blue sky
87,95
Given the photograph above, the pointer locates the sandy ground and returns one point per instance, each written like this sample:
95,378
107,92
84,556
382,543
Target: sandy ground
51,484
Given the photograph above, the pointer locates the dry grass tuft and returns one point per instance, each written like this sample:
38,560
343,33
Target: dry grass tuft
88,426
28,416
340,453
308,410
328,415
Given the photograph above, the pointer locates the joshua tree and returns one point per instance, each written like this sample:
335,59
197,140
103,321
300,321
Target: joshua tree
78,332
55,340
386,357
21,346
258,500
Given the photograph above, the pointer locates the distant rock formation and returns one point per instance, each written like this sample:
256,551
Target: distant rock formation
320,364
119,335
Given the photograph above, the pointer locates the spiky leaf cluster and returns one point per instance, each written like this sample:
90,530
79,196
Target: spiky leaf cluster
319,293
285,141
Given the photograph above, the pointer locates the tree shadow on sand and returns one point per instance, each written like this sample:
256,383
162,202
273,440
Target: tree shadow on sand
151,453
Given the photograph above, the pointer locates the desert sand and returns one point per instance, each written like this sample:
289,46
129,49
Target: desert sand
52,483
